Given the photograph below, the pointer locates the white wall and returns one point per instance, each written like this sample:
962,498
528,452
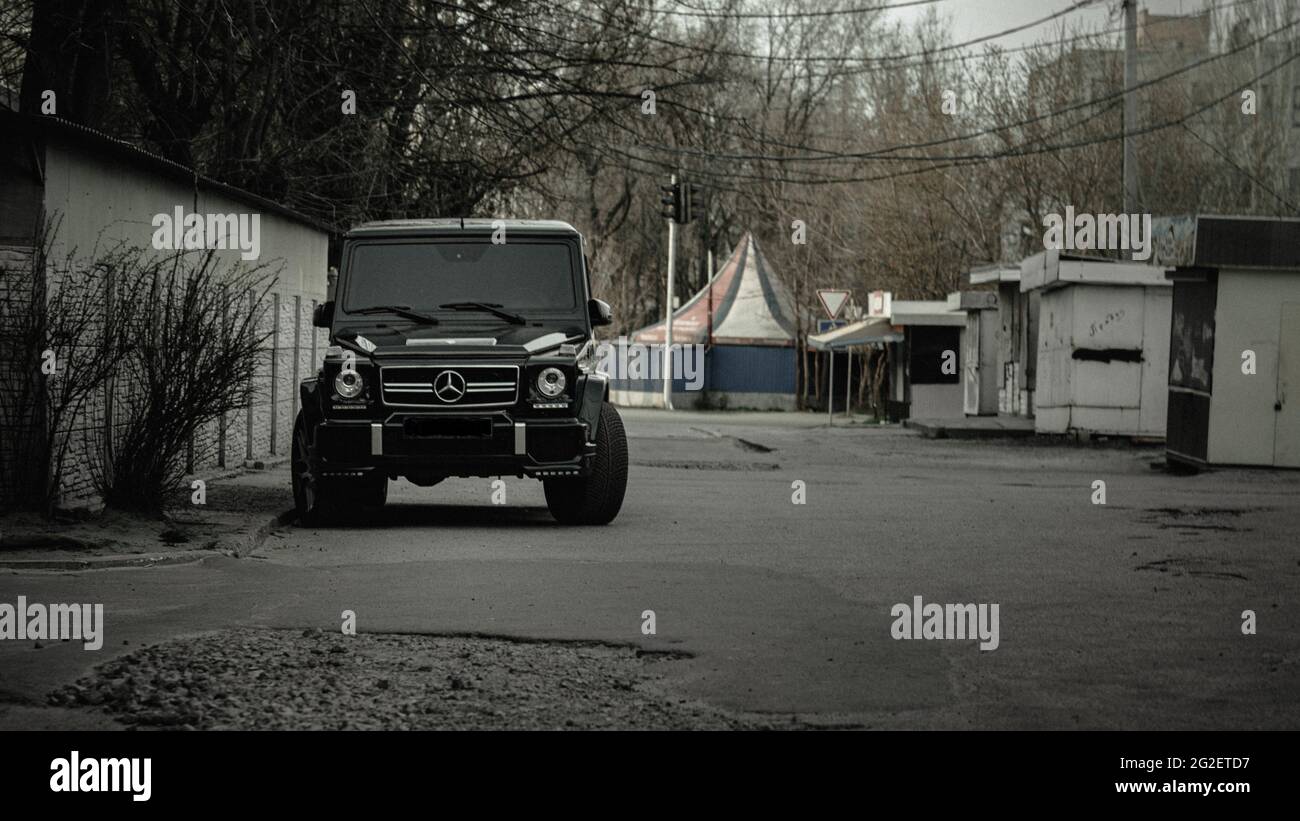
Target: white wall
1158,308
936,402
103,201
1115,397
1248,315
1009,367
981,375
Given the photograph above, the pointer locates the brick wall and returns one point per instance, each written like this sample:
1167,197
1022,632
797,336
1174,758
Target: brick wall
15,260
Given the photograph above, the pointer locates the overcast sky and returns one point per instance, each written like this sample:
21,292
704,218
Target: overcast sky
976,18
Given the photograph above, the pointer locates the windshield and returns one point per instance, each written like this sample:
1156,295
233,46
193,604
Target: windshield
529,276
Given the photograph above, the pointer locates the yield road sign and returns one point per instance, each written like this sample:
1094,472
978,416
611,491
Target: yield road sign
833,301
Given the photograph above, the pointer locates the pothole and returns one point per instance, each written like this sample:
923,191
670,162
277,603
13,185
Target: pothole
684,465
1188,566
1189,519
753,447
280,679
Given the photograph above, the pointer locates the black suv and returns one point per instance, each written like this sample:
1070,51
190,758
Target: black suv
460,348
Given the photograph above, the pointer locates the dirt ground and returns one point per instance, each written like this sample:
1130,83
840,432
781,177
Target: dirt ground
228,512
284,679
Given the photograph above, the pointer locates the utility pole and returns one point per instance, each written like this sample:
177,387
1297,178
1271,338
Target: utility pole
668,320
672,198
706,241
1130,110
830,388
848,390
679,204
708,339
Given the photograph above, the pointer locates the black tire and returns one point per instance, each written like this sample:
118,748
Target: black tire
314,498
594,499
372,494
321,500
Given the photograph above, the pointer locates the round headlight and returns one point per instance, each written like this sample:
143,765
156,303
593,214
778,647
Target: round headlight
550,382
348,384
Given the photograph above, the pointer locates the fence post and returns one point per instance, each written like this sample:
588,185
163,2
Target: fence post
252,398
275,369
110,385
225,341
297,355
313,363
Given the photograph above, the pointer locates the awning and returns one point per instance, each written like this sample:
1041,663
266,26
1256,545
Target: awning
929,312
863,332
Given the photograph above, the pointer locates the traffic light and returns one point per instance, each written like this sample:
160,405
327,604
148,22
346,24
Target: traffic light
672,200
690,197
680,200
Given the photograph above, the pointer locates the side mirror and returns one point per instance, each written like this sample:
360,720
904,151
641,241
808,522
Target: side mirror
323,315
598,310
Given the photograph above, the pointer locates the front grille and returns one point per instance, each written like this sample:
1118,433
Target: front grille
449,386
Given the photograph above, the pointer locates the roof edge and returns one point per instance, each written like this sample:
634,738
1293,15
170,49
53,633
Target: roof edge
32,125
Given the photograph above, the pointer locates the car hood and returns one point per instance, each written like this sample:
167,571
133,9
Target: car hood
512,341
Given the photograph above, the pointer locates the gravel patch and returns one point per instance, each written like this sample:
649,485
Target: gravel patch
296,680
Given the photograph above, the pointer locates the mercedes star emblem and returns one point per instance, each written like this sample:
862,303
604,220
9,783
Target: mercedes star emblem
449,386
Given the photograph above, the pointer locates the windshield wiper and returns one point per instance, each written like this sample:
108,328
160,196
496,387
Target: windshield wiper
400,310
490,307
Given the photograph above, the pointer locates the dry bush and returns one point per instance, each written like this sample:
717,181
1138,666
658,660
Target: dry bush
194,342
58,349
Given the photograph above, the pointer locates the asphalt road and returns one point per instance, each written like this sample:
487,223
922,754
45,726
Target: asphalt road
1122,615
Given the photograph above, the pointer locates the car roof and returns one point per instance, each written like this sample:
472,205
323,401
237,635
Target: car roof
457,227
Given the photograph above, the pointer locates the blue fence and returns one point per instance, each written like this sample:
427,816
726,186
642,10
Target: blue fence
733,369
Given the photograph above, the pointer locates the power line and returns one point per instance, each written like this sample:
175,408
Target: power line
1232,163
1110,138
1243,171
963,58
1018,151
1078,4
751,15
829,156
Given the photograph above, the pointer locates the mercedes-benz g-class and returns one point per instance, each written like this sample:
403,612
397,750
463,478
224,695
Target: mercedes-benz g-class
460,348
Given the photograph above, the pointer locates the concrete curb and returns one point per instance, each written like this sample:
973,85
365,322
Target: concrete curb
959,431
246,543
108,562
238,547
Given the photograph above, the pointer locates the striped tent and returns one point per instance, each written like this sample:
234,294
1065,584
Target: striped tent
750,306
745,318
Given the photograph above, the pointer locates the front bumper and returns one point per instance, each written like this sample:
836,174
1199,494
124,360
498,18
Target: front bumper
461,445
